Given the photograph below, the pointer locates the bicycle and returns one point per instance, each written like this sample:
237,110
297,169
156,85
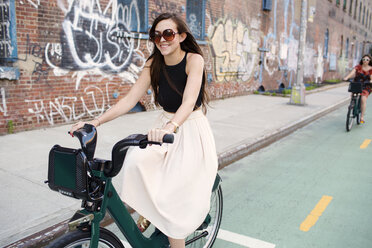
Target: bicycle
354,109
75,173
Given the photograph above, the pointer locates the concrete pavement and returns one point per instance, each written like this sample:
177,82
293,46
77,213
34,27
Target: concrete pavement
241,125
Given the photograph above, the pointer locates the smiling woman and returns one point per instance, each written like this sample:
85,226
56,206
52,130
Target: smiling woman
171,185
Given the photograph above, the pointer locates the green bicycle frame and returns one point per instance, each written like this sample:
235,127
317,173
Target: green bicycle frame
112,203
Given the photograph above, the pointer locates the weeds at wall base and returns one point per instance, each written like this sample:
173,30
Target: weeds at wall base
286,92
10,127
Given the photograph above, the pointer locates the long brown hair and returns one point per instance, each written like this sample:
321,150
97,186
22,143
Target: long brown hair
158,64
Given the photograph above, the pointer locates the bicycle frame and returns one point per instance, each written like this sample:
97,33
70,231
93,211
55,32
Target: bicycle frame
101,196
112,203
355,102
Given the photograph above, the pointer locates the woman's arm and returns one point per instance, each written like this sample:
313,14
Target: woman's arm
130,100
194,70
126,103
350,75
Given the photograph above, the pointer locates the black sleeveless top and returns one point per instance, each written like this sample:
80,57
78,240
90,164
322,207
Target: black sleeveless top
170,93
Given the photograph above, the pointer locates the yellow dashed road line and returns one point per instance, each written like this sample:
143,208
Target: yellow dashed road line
313,217
365,144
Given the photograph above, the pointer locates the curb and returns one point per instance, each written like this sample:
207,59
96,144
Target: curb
240,150
44,237
327,87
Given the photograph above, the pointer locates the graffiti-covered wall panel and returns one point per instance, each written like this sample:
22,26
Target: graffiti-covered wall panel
76,58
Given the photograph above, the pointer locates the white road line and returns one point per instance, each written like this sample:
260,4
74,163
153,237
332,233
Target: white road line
243,240
233,238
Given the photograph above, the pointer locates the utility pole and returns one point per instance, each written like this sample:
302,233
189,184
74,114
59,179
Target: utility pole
298,89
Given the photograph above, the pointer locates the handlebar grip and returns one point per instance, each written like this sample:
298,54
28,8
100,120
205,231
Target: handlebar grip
168,138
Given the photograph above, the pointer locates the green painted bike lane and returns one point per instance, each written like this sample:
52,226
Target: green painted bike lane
268,194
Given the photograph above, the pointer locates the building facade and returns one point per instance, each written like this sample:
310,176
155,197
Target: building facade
68,60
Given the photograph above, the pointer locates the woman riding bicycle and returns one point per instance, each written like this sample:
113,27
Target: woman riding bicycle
362,73
170,185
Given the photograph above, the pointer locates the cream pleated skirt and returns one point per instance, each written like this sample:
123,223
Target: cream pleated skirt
171,185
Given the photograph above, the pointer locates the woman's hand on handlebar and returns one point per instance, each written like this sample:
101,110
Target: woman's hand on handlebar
81,124
157,134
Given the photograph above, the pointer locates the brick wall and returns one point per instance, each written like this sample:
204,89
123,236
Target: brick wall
72,71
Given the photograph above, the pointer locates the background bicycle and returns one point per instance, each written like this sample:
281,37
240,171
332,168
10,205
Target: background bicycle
354,108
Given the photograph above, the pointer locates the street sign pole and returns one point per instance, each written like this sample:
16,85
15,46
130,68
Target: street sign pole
298,89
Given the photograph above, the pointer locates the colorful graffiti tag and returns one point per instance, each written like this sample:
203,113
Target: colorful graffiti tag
234,52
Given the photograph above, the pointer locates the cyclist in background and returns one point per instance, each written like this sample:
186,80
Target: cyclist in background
362,73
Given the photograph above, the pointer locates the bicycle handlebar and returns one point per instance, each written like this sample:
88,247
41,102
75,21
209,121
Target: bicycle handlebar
142,141
87,136
168,138
365,83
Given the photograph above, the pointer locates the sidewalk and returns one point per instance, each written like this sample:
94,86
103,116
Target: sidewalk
241,125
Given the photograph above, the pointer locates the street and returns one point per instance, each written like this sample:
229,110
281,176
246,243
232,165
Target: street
309,190
236,130
269,194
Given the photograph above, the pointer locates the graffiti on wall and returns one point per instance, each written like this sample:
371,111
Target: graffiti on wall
292,54
34,61
271,61
319,65
3,108
6,46
97,41
194,25
207,58
67,107
233,50
34,3
309,62
280,49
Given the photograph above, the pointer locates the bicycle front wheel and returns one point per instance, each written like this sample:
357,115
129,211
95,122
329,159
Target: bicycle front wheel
206,234
81,239
349,119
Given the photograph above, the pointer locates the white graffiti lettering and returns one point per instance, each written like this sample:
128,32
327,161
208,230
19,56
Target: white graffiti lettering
92,103
194,25
33,3
98,41
3,107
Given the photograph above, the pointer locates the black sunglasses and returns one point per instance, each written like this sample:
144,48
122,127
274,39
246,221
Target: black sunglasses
167,34
366,59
